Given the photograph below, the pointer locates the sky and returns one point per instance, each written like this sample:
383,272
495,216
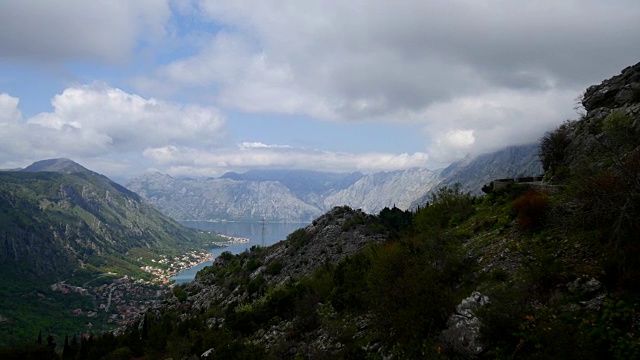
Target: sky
203,87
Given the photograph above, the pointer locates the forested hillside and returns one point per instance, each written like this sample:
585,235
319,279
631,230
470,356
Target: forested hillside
60,222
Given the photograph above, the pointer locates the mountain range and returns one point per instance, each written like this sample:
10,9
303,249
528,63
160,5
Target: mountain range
302,195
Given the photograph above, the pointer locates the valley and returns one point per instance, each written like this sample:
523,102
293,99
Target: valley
89,254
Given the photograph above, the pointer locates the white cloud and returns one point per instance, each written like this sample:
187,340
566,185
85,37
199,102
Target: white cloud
476,76
97,120
9,112
504,70
124,133
259,145
121,121
190,161
460,138
479,124
394,56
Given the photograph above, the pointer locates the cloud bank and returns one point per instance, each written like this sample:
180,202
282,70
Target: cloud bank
100,125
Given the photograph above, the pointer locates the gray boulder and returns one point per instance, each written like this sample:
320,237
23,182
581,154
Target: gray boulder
462,334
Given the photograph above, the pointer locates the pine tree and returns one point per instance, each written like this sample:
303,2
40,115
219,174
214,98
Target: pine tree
50,342
65,349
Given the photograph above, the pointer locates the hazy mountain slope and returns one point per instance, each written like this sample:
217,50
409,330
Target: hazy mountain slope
189,199
512,161
473,173
294,195
308,185
376,191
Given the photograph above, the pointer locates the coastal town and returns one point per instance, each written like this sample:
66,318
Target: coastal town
167,266
118,299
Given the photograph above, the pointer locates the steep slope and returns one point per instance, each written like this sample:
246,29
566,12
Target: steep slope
338,234
56,216
376,191
69,238
473,173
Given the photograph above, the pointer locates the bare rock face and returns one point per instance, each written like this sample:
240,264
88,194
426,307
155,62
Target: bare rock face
620,94
339,233
463,327
608,129
619,91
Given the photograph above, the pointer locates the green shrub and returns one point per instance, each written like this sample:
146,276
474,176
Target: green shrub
298,238
180,293
252,264
615,331
256,285
274,268
226,255
448,206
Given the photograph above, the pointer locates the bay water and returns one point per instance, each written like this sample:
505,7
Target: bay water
254,231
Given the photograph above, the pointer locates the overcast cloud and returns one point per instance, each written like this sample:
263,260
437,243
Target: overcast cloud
475,76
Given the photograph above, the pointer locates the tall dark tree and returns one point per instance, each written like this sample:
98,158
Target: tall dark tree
51,342
553,148
65,348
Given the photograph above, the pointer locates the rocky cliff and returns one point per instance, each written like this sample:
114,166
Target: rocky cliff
606,135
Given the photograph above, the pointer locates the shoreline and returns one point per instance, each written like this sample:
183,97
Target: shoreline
175,265
233,239
188,260
222,221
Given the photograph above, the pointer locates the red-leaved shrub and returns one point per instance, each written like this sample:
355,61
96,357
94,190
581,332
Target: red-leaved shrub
530,209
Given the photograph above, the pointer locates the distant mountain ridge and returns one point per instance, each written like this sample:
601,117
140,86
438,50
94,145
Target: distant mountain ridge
61,165
302,195
472,174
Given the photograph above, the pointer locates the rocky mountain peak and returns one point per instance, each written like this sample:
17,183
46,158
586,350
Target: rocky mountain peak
618,91
339,233
59,165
